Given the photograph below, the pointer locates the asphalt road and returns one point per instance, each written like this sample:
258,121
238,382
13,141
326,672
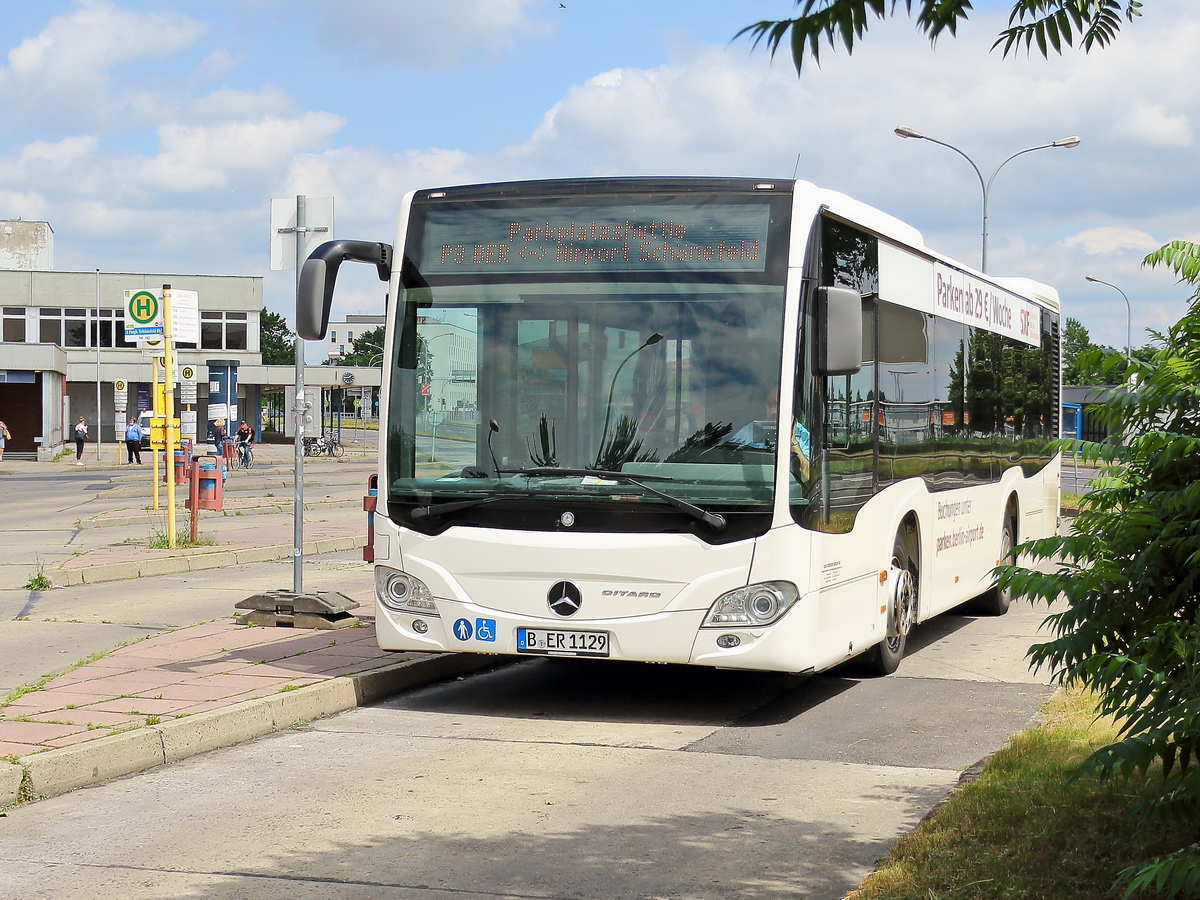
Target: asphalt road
49,515
544,779
556,779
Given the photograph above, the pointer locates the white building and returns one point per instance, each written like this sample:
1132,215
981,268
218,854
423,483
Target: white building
63,350
342,334
26,245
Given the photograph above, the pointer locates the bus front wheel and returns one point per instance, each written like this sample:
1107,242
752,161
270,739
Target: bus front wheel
884,658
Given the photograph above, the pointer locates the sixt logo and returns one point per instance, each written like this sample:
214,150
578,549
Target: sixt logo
650,594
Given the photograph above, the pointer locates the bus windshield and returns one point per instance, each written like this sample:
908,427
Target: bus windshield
622,355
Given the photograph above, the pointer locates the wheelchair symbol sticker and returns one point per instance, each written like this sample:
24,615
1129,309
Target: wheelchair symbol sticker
462,630
485,629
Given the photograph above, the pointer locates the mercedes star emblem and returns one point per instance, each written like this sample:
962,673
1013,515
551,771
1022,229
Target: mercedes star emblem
564,599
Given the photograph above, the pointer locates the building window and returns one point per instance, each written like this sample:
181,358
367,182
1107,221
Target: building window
223,331
77,327
14,325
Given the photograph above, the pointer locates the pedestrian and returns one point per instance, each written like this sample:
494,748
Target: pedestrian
219,437
5,436
81,436
133,442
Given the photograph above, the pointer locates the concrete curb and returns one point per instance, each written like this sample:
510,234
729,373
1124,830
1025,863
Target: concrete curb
54,772
196,562
231,512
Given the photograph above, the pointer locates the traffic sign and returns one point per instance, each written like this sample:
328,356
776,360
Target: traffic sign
185,316
187,384
143,314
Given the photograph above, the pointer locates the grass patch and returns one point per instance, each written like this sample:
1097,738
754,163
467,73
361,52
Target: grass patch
161,540
38,580
1022,830
24,689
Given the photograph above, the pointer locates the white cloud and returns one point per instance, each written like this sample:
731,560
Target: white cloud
197,157
58,154
62,76
1113,239
1154,125
228,103
368,183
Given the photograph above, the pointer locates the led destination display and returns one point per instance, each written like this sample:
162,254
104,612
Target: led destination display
578,239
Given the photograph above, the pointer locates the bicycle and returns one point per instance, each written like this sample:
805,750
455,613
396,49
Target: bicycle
244,457
325,444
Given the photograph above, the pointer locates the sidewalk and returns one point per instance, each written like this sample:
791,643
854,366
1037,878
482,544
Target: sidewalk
176,694
210,685
250,494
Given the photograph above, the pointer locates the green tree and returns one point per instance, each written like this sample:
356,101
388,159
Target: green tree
1076,342
277,341
1044,24
1126,583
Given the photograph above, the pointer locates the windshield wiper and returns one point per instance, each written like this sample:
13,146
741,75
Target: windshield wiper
437,509
716,521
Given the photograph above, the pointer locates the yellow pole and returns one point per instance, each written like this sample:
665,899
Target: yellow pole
172,433
156,411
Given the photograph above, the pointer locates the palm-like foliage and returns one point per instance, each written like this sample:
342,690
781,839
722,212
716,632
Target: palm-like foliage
1044,24
1126,619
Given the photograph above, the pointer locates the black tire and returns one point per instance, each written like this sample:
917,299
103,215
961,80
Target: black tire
336,449
248,459
996,602
884,658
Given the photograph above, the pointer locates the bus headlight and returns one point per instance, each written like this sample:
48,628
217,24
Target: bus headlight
402,592
754,605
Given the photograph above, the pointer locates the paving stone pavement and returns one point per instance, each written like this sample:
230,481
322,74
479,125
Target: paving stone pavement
212,684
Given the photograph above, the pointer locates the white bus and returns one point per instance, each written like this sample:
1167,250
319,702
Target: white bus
712,421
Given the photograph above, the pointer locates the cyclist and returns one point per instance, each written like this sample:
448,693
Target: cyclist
244,440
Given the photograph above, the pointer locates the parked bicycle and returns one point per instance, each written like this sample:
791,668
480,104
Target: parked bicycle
322,446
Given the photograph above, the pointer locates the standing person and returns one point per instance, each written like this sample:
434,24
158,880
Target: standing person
219,436
5,436
81,436
133,442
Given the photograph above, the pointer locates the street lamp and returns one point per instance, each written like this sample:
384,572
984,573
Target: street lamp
1068,142
1128,314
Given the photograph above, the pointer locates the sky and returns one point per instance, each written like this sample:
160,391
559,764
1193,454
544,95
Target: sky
153,136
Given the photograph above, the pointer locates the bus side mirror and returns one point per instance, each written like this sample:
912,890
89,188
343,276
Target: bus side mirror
840,326
314,293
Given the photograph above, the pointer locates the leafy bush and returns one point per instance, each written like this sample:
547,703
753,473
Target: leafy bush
1126,619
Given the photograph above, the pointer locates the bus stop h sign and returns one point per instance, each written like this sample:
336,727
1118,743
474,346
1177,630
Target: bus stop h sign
143,314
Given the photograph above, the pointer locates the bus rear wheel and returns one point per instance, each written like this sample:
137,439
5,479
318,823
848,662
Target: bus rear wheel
996,601
884,658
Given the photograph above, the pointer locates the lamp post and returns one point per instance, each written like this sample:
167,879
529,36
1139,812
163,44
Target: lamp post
1128,314
649,342
1067,142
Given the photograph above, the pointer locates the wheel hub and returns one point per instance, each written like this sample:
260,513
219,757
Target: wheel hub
902,608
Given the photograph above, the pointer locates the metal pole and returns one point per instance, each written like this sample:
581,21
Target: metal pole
99,410
298,468
170,431
1128,314
905,132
